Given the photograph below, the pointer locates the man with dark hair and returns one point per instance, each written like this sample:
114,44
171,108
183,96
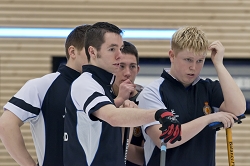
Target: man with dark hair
41,102
93,134
128,70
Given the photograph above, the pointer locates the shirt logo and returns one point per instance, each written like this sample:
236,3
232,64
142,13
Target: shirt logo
207,109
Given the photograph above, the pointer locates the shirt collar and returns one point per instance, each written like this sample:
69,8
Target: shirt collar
68,72
167,74
99,73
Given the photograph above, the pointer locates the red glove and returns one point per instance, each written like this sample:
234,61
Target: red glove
171,127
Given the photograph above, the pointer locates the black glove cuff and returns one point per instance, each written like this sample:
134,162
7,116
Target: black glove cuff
158,113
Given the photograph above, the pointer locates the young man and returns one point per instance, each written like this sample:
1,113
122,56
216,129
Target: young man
93,134
41,102
194,101
127,71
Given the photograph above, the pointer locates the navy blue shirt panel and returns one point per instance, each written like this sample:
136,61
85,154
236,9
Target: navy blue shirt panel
53,108
188,105
75,151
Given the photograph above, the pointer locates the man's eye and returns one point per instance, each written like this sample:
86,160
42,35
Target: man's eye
133,66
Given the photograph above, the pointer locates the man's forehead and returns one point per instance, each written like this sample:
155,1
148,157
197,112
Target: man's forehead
109,39
190,54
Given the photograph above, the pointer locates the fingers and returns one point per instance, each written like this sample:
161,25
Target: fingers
228,119
171,127
217,52
130,104
215,45
172,134
176,135
127,81
228,122
126,89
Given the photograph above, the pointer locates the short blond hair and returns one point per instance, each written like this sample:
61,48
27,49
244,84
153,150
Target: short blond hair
189,38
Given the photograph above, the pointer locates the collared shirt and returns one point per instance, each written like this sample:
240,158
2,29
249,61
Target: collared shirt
186,105
89,140
41,101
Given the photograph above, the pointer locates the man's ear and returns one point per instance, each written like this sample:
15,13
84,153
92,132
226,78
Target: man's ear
138,69
72,51
171,54
92,52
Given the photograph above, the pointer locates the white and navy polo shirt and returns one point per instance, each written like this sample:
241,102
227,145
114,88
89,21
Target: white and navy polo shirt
186,104
87,139
41,102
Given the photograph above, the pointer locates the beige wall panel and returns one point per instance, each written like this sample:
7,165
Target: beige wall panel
22,59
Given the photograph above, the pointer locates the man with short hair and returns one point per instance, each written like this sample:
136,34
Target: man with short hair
128,70
194,101
93,134
41,101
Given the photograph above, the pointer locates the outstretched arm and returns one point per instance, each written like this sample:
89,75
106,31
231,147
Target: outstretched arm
234,100
125,117
192,128
11,136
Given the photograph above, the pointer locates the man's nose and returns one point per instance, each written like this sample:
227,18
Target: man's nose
192,66
119,54
127,72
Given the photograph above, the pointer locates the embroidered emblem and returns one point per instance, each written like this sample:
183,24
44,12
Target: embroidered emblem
207,109
137,131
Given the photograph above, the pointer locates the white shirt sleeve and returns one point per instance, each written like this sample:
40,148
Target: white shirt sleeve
150,98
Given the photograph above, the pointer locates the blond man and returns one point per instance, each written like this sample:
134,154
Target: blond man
194,101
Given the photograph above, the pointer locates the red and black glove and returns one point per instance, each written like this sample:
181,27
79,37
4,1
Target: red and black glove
171,127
